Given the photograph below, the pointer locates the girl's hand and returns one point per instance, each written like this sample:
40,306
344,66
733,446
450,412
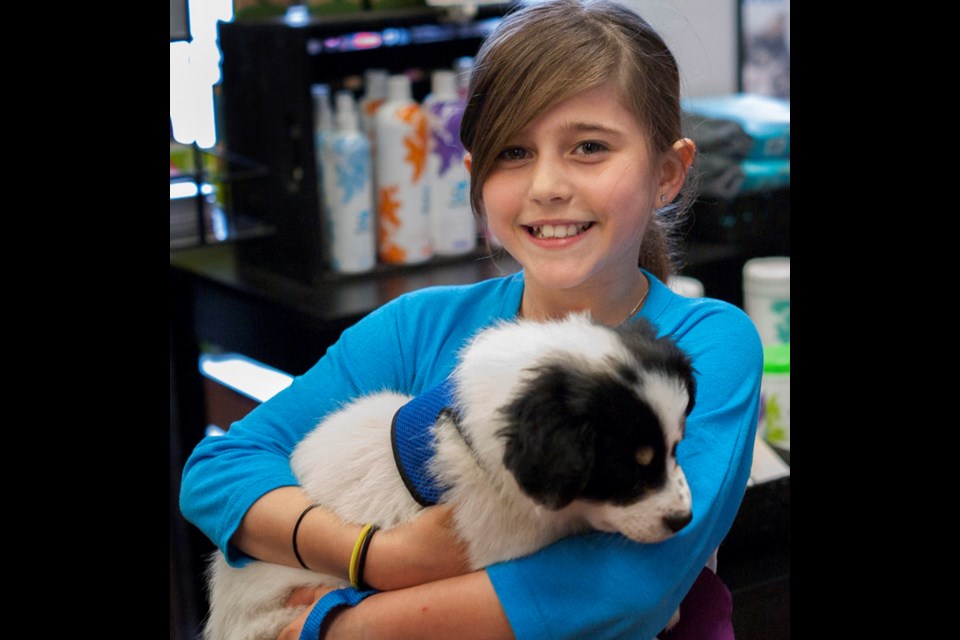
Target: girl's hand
422,550
300,596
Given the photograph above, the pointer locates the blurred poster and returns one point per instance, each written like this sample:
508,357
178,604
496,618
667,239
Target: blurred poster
765,47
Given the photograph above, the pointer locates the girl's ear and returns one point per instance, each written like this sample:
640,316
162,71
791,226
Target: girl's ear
675,165
468,161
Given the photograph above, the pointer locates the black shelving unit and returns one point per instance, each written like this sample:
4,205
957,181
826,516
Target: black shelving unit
267,112
208,215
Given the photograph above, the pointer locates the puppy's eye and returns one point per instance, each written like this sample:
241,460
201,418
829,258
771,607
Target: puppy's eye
644,456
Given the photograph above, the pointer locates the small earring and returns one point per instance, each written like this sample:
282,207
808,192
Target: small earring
663,199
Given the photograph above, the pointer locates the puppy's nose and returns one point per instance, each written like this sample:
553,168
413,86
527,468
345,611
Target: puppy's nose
678,520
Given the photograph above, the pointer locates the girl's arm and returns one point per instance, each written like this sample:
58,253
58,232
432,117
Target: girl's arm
419,551
464,607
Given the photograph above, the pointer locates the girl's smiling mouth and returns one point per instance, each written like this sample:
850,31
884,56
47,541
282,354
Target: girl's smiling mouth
547,231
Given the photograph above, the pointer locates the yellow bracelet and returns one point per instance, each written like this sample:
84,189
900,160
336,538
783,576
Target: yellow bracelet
359,554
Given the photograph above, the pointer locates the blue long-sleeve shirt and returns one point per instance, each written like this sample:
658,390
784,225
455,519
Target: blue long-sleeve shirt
596,585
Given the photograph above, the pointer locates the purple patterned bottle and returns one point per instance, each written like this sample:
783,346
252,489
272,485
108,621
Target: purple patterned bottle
453,229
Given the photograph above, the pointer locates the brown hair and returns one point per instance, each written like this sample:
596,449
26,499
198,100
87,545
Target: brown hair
546,51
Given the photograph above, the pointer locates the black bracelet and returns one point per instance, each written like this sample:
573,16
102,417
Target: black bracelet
363,558
296,528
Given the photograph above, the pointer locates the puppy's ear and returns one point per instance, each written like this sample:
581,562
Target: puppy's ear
660,353
549,445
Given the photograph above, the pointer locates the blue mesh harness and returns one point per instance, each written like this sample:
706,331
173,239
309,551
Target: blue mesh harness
413,443
413,446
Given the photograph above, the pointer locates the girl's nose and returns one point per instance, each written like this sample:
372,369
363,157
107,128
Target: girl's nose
549,183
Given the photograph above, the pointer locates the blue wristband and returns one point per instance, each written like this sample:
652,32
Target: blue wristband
348,596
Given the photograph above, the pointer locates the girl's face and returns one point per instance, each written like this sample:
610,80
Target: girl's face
570,196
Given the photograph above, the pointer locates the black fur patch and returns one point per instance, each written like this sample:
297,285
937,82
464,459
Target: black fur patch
572,434
659,354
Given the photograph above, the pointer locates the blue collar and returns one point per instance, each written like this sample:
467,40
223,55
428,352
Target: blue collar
413,444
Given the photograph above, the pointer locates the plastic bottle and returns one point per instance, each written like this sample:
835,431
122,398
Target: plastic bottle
347,183
402,204
453,229
775,398
686,286
322,112
323,126
374,95
766,297
464,69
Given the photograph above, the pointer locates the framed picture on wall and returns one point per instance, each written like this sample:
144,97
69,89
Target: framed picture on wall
765,47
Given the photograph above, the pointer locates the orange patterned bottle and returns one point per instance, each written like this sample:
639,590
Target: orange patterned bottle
402,198
374,95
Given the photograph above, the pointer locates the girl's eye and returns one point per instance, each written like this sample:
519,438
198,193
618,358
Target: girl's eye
513,153
590,147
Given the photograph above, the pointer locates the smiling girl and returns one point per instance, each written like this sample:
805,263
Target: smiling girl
578,166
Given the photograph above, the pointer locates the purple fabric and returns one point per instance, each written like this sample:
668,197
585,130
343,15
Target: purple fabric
706,611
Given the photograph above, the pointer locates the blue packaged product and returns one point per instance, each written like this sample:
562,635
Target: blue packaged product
763,118
765,175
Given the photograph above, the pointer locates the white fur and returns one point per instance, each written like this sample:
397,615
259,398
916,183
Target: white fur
347,465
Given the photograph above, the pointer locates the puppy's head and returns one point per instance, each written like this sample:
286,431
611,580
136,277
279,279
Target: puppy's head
599,433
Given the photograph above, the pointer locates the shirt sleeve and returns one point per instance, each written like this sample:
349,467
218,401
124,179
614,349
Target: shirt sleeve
601,585
226,474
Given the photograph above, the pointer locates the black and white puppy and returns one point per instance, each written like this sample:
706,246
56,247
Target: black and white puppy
551,429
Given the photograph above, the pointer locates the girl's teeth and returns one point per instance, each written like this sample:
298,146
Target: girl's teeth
558,231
